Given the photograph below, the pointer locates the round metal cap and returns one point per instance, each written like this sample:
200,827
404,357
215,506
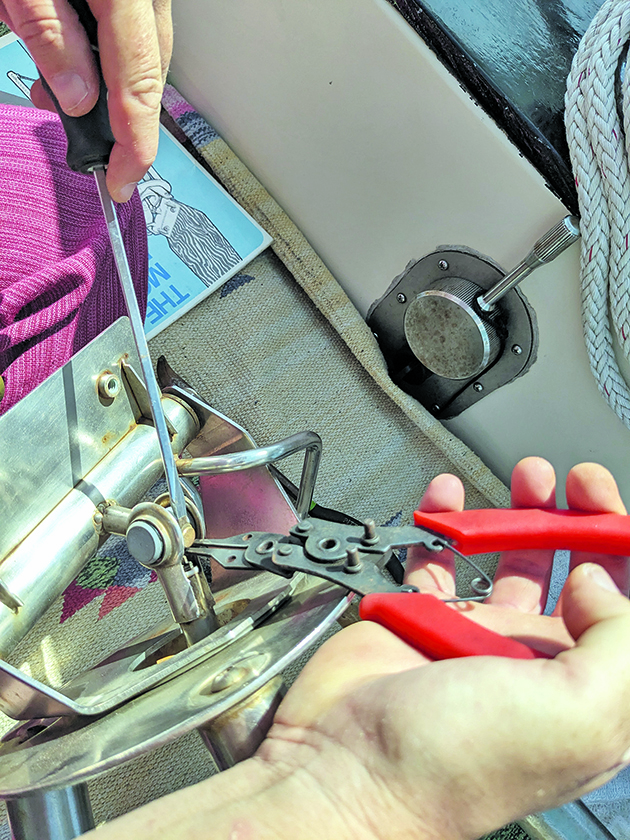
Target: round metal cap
447,335
144,542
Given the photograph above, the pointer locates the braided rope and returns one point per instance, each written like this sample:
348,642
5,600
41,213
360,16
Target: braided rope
597,145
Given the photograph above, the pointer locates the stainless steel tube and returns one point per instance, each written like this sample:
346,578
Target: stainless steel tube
51,814
310,442
236,734
39,569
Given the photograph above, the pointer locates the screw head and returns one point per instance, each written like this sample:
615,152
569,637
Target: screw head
443,265
478,387
517,349
303,527
401,298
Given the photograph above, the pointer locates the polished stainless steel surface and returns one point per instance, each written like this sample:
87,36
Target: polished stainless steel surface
43,761
251,458
144,661
51,814
156,688
237,733
137,326
47,558
53,437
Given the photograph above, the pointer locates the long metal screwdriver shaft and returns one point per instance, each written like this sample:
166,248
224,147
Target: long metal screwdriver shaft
90,141
120,258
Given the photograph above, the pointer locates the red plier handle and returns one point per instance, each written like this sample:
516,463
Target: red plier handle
441,632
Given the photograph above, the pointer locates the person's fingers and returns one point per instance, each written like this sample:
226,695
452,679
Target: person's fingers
597,615
431,571
40,98
522,577
131,61
591,487
5,15
51,32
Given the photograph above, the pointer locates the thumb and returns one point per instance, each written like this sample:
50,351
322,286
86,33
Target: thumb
597,615
595,611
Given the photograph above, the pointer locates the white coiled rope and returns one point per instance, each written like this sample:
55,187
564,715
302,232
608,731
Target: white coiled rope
599,148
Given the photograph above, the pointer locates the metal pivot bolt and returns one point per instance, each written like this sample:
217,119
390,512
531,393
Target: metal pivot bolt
353,562
145,542
370,537
548,247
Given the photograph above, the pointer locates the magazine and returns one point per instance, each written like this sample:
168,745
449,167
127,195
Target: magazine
199,237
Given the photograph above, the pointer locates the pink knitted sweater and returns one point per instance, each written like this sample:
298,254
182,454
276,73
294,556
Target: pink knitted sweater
58,283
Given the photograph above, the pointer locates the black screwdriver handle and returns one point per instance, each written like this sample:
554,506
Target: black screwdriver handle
90,138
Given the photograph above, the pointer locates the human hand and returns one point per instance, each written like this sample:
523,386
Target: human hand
135,43
376,741
456,748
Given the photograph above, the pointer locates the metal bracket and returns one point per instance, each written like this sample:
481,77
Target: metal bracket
518,333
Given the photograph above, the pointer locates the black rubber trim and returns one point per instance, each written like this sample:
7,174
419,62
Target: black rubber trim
552,162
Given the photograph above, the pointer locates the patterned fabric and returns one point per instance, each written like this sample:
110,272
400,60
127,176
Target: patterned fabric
114,574
58,284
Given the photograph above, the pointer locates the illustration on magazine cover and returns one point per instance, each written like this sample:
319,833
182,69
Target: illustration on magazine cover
190,234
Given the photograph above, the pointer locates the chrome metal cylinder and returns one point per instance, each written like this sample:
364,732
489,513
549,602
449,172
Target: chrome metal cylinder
47,560
51,814
249,459
236,734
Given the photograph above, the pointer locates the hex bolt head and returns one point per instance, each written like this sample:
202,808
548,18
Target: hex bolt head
108,385
401,298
